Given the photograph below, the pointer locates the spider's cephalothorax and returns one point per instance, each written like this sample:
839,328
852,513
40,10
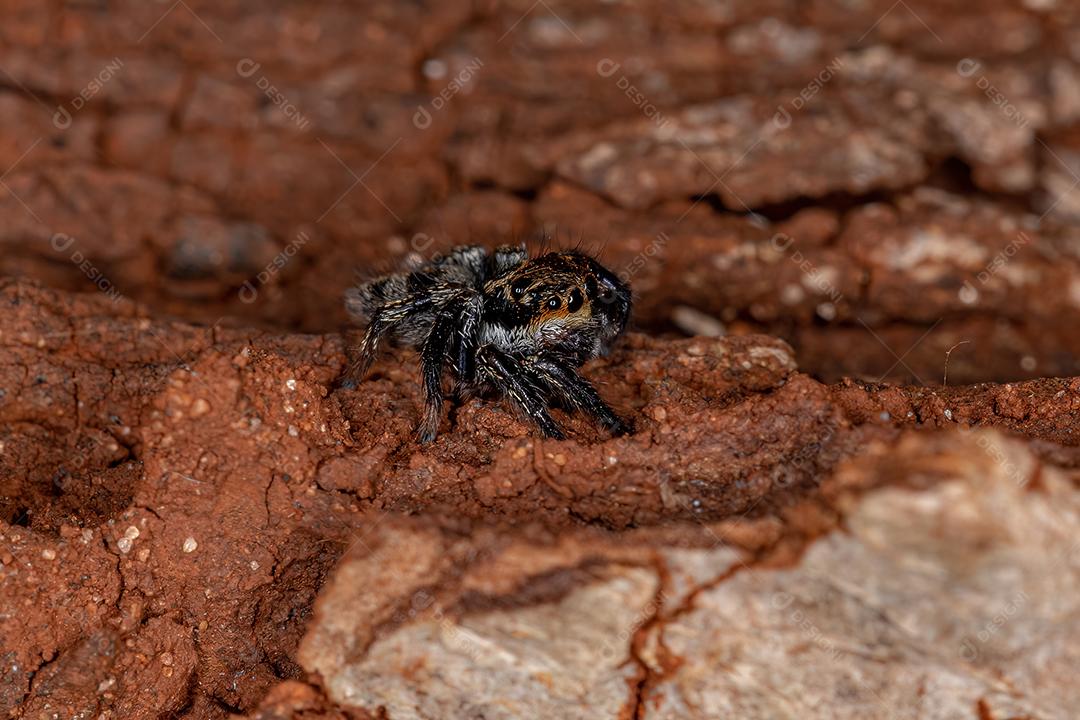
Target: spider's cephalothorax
498,319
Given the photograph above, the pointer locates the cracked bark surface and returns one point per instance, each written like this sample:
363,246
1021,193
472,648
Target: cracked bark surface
947,599
248,476
859,502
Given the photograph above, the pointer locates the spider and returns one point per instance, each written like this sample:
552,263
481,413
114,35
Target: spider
499,320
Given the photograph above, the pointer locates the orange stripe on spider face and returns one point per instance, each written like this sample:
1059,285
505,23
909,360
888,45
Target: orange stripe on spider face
572,307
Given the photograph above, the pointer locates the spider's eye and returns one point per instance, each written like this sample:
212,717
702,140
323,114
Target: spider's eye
590,286
518,287
573,304
554,303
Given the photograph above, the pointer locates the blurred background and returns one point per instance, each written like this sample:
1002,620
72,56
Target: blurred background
876,181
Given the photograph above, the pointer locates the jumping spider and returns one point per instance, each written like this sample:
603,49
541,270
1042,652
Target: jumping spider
498,320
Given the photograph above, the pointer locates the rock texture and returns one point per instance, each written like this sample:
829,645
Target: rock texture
177,493
952,596
851,229
952,601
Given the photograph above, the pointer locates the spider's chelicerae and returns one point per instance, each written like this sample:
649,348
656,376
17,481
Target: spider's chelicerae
499,320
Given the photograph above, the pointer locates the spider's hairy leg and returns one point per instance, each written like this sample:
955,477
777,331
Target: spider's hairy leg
469,327
382,321
576,392
433,354
518,386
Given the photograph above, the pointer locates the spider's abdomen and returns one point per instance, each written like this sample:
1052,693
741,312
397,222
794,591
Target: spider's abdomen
461,266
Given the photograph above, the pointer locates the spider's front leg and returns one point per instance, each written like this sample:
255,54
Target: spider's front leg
459,314
469,326
519,386
382,321
575,392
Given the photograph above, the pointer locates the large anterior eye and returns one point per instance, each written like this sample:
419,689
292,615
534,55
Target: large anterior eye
573,304
518,287
554,303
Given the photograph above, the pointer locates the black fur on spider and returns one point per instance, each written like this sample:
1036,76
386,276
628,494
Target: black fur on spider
499,320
